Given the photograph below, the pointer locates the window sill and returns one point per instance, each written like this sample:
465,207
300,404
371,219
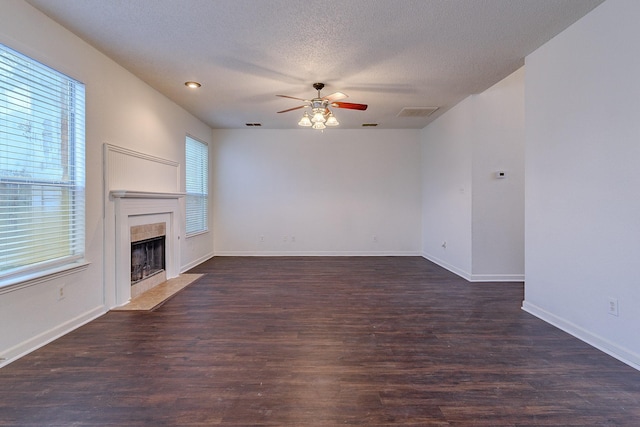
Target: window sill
197,233
27,280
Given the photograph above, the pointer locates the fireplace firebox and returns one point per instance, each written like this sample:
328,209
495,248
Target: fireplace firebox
147,258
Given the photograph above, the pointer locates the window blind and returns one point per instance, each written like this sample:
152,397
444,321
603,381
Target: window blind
197,189
41,167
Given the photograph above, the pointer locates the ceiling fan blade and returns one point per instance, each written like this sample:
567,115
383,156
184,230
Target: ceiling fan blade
291,109
293,97
335,96
349,105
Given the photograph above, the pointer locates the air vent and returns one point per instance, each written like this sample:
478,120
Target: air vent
253,124
417,111
369,125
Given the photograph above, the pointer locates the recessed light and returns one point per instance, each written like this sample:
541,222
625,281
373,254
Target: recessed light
192,85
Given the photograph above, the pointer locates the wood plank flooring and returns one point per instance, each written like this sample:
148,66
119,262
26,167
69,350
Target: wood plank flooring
315,341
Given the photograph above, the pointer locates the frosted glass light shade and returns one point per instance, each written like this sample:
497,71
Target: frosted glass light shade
305,120
318,125
318,117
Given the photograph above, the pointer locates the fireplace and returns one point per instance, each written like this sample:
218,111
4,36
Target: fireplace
147,256
132,201
151,220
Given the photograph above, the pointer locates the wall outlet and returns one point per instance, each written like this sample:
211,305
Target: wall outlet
613,306
293,239
61,292
261,239
444,245
375,239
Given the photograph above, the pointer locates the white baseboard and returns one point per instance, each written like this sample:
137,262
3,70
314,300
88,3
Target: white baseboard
312,253
197,262
497,278
515,277
447,266
622,354
14,353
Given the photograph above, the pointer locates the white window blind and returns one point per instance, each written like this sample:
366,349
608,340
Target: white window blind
41,167
197,189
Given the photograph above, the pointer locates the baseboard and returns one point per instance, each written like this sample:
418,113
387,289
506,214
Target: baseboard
34,343
312,253
516,277
195,263
465,275
497,278
622,354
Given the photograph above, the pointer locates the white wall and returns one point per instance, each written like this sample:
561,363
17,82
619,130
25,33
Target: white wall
498,204
332,191
582,176
121,110
446,189
480,218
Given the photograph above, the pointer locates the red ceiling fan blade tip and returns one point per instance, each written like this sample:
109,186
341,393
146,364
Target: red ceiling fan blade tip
350,105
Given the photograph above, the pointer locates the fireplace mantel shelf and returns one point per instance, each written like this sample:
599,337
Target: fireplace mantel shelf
128,194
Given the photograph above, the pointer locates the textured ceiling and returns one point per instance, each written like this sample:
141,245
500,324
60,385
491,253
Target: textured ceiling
389,54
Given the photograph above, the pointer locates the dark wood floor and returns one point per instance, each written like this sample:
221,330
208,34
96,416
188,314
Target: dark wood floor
322,342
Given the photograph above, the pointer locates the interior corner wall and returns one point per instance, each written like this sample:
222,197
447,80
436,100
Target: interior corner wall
582,173
473,222
304,192
497,239
446,189
120,110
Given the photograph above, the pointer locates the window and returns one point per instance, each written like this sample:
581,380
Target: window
41,168
197,198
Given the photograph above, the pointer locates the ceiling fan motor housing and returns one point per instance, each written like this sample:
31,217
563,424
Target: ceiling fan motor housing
319,103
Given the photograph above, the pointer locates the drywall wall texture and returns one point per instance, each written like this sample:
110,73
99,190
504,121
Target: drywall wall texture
305,192
446,189
498,181
121,110
473,220
582,156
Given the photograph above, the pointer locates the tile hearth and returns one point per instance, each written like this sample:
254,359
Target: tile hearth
158,295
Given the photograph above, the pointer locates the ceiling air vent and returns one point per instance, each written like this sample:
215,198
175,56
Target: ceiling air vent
369,125
417,111
253,124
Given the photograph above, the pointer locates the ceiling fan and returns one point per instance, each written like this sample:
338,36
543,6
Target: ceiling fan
321,114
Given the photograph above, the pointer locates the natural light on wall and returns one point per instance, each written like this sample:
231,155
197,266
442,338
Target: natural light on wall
42,167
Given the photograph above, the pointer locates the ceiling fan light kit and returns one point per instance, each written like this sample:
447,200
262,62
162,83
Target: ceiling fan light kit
321,116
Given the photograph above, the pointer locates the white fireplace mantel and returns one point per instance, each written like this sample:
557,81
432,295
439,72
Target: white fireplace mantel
133,208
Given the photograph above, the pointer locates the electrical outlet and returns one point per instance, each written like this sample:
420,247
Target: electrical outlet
293,239
613,306
375,239
444,245
60,292
261,239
